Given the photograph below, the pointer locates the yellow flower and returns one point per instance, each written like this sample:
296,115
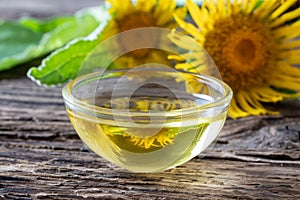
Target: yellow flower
256,48
145,13
162,138
147,137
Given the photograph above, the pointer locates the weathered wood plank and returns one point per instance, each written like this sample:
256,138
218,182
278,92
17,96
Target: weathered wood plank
41,157
86,175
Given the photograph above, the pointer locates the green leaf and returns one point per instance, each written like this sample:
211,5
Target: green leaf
26,39
64,63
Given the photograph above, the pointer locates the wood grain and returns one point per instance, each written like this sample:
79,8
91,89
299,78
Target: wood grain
41,156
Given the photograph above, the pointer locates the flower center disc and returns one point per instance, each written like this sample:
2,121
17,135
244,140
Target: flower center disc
128,41
245,51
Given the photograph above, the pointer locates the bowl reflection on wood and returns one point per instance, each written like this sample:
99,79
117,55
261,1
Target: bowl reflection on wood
147,120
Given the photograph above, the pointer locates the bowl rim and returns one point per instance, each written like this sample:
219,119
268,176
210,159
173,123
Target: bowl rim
72,101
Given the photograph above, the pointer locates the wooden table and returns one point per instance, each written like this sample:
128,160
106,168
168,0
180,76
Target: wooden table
41,156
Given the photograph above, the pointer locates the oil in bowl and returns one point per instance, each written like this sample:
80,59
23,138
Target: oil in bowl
147,120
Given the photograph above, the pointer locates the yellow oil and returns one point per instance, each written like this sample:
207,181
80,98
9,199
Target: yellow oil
148,148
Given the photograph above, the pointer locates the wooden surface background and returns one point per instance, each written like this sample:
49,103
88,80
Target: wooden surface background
41,157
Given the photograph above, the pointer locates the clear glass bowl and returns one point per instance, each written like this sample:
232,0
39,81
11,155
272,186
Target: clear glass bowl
147,120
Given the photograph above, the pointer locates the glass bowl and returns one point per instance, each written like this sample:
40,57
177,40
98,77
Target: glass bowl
147,120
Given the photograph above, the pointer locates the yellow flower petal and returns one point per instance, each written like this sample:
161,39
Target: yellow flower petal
266,94
184,66
286,81
289,55
249,6
184,41
120,8
192,55
212,8
286,5
165,5
228,6
285,68
164,18
233,6
195,13
284,31
181,12
286,17
176,57
290,44
221,8
266,8
206,17
247,104
189,28
145,5
235,111
294,60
